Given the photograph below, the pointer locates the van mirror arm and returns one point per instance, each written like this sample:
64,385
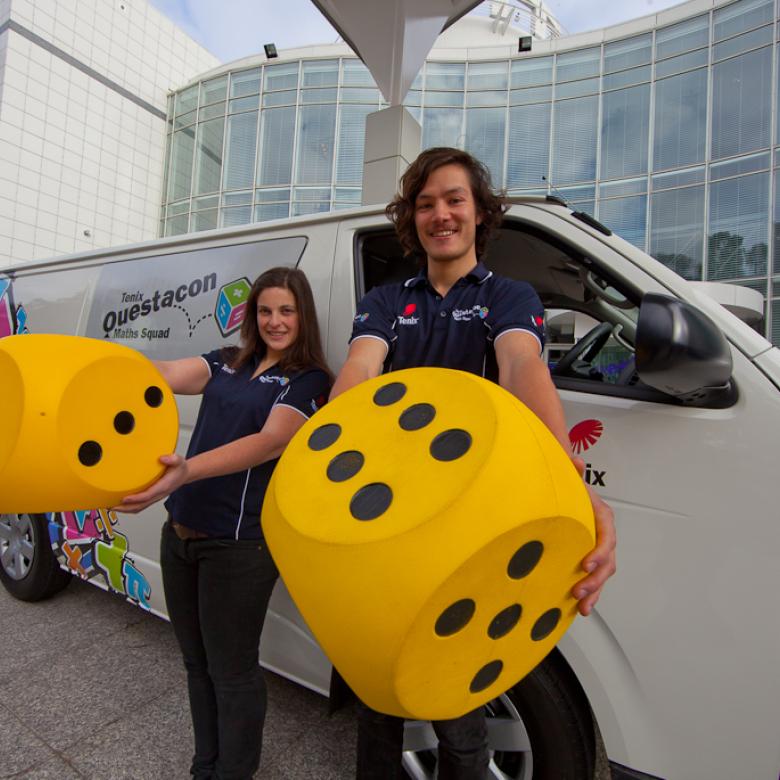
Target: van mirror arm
680,351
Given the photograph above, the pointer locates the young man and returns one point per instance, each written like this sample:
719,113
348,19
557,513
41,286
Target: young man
445,213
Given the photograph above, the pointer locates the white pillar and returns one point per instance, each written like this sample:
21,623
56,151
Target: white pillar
393,141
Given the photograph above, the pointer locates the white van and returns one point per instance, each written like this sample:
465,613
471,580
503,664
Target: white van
676,414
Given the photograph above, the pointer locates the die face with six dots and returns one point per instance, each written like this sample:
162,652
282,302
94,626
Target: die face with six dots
85,425
430,529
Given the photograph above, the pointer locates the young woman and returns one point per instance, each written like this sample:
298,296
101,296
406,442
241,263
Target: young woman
217,572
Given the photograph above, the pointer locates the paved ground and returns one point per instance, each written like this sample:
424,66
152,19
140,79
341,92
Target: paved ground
92,687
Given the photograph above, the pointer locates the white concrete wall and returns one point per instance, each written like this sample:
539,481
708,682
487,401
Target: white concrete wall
81,160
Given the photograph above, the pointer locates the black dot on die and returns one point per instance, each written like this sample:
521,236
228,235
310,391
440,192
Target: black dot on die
486,676
324,436
504,621
371,501
416,417
153,396
524,561
390,394
455,617
124,423
90,453
345,465
451,445
545,625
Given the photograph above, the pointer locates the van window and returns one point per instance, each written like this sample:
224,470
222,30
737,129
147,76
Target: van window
590,318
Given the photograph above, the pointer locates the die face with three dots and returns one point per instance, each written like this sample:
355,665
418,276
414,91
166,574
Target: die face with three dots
85,423
430,529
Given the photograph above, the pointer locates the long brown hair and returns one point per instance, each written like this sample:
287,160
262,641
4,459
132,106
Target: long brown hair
490,205
306,352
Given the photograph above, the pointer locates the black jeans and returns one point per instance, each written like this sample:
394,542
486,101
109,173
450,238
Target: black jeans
463,748
217,592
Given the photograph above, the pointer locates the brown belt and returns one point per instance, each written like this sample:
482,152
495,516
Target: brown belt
183,532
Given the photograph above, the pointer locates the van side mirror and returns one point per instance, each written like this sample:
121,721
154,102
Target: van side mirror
680,351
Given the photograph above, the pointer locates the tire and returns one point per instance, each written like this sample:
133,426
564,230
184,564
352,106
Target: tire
28,567
541,729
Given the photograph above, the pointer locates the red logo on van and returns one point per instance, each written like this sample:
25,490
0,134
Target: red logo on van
410,309
585,434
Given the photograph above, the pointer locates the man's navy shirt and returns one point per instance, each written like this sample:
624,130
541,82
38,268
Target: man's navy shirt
458,331
235,405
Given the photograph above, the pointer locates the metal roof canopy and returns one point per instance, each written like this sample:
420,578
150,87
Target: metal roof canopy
393,37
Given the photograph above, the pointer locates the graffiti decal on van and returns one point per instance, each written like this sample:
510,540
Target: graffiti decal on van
90,546
13,319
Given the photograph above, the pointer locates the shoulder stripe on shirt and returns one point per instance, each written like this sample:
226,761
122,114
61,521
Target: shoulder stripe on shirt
287,406
520,330
208,365
372,336
482,281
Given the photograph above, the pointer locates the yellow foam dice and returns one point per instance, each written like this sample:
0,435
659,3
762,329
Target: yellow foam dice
430,529
84,423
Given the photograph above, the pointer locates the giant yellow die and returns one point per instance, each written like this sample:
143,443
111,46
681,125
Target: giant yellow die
84,423
430,529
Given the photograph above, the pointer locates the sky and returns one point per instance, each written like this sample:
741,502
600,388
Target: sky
231,29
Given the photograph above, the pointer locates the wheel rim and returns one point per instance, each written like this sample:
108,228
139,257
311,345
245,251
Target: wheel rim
510,747
17,545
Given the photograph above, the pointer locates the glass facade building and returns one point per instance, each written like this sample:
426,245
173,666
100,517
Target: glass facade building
669,135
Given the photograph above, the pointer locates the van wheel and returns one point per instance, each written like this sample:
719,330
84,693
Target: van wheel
541,729
28,567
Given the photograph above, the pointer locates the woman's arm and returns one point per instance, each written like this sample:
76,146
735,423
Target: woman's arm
243,453
187,376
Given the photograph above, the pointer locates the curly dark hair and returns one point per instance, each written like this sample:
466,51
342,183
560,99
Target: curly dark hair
490,205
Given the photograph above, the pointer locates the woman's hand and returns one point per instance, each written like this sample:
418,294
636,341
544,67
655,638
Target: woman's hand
174,476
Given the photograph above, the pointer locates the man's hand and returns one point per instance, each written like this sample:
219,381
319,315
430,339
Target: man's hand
599,562
174,476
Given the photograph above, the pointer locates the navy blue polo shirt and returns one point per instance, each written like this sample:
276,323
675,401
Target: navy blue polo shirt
235,405
420,328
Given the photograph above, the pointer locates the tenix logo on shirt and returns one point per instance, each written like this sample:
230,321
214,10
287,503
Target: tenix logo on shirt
464,315
408,318
269,380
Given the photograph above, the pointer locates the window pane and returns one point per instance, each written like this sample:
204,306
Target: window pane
578,64
281,76
574,140
244,104
485,129
687,35
237,198
175,226
352,136
627,217
666,181
677,230
318,95
624,132
628,53
751,164
577,89
520,97
442,127
204,220
311,201
693,59
208,161
741,16
272,211
240,215
316,135
625,78
286,97
529,146
750,40
486,98
739,219
629,187
527,73
360,95
487,75
680,120
180,180
213,90
240,151
741,104
444,99
187,100
776,242
209,112
321,73
278,131
245,82
445,75
356,74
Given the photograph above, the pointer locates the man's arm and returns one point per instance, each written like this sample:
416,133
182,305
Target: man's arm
364,361
522,372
